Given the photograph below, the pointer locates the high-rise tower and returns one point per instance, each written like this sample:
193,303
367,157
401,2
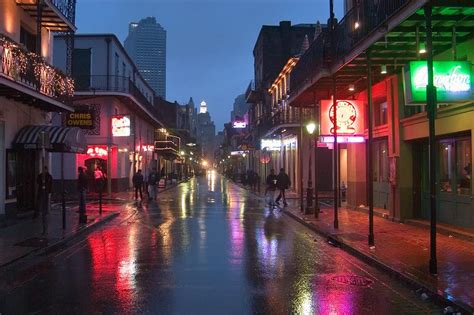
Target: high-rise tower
146,45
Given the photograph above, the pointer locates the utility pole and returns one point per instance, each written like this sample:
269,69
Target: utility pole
431,108
370,184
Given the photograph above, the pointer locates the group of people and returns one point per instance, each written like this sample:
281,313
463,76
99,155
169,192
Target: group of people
151,184
273,182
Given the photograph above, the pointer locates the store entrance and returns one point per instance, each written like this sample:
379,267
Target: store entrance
91,165
26,173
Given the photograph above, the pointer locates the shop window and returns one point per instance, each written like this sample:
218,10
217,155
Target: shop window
446,162
10,186
380,112
380,161
463,166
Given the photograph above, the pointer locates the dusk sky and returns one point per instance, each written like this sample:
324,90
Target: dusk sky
210,42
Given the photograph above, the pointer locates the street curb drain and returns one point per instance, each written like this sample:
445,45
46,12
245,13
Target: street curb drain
439,298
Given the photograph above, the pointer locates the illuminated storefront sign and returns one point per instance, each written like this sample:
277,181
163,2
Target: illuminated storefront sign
270,144
83,119
239,124
121,126
146,148
234,153
350,118
451,78
342,139
97,151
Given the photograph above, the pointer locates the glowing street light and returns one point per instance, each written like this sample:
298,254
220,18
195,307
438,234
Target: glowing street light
311,127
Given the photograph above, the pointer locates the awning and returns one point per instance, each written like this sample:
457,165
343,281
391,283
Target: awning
58,139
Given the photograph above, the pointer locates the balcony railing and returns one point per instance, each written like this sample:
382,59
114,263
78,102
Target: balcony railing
252,95
283,118
58,15
361,20
356,25
31,70
111,83
314,60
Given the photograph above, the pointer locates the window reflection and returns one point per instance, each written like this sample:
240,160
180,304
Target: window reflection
464,166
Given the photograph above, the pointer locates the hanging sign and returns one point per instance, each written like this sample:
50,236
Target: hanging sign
270,144
97,151
121,126
350,118
452,80
83,119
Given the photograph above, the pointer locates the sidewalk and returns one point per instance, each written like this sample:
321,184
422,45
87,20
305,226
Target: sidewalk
402,250
24,238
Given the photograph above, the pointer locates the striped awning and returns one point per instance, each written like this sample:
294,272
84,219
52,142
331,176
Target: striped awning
58,139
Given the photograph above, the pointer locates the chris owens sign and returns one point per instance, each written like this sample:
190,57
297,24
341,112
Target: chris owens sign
121,126
451,78
350,118
83,119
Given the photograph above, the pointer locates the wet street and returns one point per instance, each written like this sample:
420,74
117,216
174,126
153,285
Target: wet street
207,247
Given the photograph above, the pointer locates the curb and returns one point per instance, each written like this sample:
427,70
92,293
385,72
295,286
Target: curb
86,229
439,297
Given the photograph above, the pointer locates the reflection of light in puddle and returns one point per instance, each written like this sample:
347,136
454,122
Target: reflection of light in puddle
211,180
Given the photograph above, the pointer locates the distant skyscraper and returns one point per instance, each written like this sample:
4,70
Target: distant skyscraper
146,45
206,132
203,108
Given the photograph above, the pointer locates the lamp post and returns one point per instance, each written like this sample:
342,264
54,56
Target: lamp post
310,128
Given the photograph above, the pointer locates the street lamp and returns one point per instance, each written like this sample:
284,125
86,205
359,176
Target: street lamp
310,128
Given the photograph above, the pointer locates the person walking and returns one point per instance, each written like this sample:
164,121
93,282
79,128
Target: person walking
99,179
82,188
271,181
45,187
283,183
153,180
138,184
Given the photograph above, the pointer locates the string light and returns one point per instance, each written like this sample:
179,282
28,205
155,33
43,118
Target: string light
30,68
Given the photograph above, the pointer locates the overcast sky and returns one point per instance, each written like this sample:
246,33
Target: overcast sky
210,42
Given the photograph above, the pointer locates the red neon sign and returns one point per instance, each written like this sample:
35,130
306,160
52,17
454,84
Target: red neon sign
350,117
97,151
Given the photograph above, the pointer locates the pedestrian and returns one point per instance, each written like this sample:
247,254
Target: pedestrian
45,187
82,189
99,179
283,183
138,184
153,180
271,182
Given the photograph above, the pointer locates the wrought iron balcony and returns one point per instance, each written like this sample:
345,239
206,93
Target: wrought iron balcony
357,25
252,95
32,71
281,119
57,15
361,20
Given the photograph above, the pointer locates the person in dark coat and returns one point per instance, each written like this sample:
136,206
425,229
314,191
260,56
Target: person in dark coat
138,184
283,183
44,192
82,189
271,181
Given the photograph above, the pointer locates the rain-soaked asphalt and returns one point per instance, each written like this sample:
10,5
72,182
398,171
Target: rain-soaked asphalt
207,247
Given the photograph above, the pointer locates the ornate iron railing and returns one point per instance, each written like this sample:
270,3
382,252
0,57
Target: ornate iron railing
357,24
31,70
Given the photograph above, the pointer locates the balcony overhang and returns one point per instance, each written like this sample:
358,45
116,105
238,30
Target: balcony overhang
52,17
392,44
24,94
133,104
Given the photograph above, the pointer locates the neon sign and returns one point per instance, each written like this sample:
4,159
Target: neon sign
342,139
239,124
97,152
270,144
146,147
121,126
350,117
452,80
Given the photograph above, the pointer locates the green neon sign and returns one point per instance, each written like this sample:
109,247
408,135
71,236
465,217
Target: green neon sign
451,78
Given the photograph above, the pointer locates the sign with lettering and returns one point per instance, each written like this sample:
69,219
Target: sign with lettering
83,119
121,126
452,80
350,118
